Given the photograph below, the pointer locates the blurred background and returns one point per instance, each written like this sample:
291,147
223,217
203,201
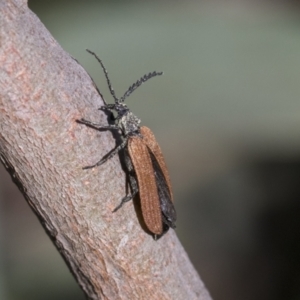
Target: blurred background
227,116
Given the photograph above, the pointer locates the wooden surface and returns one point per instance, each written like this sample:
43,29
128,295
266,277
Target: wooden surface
42,92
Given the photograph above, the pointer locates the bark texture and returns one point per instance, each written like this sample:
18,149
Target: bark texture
42,92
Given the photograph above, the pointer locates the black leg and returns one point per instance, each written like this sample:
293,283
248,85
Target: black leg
132,181
97,126
127,198
105,159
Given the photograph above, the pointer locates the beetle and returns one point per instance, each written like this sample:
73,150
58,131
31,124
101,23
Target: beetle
147,171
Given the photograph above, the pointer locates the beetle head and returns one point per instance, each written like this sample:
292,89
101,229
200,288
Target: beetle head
121,109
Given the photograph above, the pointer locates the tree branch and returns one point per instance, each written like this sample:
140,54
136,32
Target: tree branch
42,92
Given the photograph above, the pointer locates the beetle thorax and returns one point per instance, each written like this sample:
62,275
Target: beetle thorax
129,123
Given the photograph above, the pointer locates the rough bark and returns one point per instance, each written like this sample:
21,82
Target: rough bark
42,92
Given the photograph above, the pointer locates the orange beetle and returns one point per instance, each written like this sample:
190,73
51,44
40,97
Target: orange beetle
147,171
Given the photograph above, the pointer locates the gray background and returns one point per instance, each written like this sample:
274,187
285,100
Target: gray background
227,116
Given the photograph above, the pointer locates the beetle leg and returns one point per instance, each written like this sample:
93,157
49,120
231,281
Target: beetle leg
132,181
129,196
107,107
110,155
97,126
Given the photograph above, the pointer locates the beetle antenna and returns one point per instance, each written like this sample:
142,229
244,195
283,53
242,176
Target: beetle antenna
143,79
106,75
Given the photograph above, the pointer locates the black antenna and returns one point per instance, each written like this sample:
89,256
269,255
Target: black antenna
143,79
106,75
